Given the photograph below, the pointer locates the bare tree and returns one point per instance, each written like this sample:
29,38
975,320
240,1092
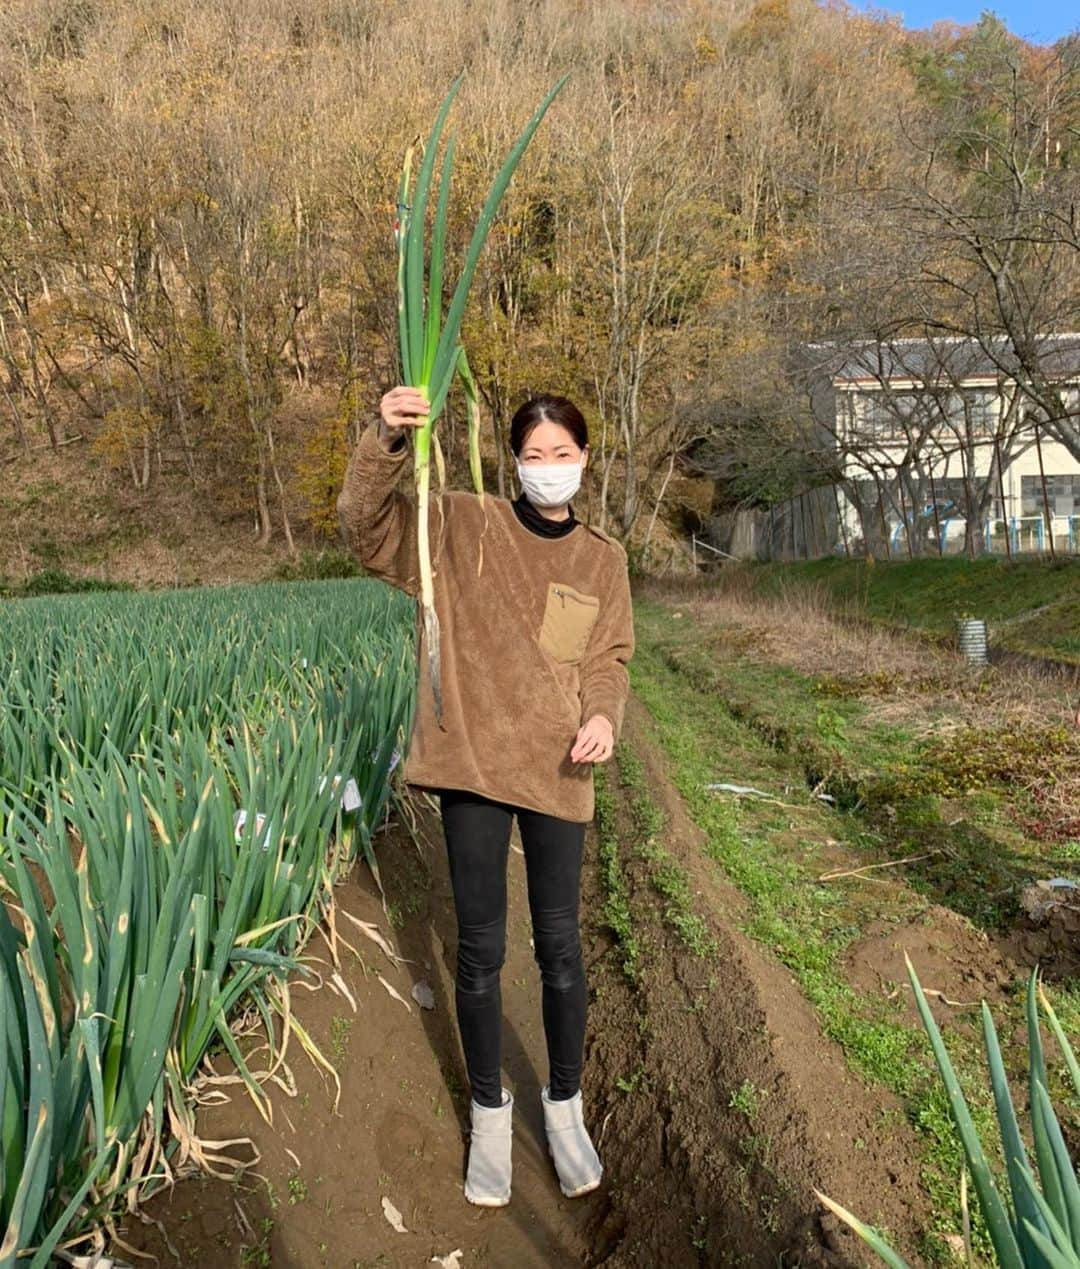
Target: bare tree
994,205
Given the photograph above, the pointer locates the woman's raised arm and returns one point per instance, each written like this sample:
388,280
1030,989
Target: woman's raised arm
377,519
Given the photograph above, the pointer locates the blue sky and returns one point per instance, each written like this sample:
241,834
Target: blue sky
1041,21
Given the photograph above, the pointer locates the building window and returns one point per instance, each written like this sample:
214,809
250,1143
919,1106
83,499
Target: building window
952,498
981,410
1062,493
886,415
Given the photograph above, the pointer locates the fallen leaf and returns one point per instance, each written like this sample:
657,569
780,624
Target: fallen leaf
371,931
393,1216
340,985
394,992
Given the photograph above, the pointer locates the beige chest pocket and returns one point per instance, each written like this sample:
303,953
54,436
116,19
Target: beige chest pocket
569,617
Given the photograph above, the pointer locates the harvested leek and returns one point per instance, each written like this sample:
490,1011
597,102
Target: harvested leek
430,351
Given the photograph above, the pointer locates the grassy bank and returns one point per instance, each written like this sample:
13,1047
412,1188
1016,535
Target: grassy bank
724,714
923,763
1031,605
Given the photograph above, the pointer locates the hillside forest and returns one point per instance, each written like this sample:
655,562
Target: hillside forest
197,261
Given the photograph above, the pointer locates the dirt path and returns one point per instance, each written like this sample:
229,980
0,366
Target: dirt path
694,1175
400,1129
744,1106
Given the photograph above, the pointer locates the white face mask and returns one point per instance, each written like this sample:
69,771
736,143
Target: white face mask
549,484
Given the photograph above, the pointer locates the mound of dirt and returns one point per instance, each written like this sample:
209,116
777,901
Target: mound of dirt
957,964
1050,934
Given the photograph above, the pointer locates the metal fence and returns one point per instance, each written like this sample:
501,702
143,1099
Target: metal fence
813,525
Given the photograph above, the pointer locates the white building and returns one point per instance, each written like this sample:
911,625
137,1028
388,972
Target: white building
928,429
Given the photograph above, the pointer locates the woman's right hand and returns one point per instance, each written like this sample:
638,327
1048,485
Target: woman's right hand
400,408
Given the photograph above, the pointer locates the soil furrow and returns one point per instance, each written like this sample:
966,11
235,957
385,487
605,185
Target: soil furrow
738,1105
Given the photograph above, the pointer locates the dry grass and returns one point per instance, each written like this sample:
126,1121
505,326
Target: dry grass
1019,717
801,628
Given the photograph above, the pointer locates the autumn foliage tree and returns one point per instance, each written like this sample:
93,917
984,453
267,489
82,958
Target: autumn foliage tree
196,243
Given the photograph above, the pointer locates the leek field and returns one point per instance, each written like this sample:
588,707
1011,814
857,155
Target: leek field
183,778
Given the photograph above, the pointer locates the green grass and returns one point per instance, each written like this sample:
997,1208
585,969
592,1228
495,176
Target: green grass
55,581
340,1032
746,1099
1032,605
667,877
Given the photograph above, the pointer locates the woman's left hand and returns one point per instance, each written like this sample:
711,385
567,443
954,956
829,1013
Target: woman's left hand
595,741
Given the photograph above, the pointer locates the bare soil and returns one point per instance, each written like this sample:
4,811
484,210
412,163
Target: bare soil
957,964
691,1178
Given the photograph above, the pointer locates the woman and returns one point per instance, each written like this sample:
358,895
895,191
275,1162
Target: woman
536,631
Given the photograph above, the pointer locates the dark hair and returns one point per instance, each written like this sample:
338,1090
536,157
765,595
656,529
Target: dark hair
551,409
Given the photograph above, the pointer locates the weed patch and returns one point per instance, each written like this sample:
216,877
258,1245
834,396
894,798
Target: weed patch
616,911
667,877
973,805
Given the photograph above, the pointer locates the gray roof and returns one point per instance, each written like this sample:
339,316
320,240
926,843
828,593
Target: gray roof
948,359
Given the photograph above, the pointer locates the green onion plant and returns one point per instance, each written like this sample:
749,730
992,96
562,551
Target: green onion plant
139,917
431,354
1036,1222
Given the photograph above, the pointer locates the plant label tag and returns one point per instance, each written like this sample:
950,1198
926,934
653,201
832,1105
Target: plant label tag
350,799
240,819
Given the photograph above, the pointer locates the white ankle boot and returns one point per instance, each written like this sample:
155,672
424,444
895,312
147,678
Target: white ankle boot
487,1181
576,1162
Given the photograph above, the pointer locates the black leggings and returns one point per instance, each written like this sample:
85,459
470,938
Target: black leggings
477,832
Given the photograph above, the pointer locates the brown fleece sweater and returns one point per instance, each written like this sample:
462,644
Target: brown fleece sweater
535,633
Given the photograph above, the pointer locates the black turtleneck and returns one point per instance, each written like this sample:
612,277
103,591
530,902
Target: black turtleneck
539,524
